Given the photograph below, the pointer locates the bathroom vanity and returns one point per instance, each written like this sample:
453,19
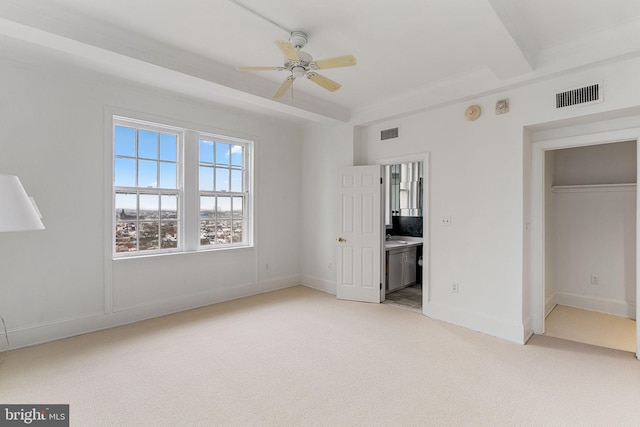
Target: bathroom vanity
401,261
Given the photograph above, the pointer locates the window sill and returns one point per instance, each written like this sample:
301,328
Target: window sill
177,253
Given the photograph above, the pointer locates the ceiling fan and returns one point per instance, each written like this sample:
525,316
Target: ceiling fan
299,63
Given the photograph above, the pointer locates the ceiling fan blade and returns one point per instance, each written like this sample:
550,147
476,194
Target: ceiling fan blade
326,83
284,87
288,50
338,61
259,68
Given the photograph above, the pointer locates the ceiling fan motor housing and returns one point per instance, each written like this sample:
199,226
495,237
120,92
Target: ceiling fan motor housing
298,68
298,39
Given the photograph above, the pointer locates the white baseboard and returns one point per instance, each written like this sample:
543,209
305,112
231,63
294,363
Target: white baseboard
549,304
511,331
527,327
602,305
64,328
319,284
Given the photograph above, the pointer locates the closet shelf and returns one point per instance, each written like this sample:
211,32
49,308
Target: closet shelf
593,187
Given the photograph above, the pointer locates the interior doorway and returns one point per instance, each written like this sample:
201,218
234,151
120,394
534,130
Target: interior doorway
540,144
590,244
401,234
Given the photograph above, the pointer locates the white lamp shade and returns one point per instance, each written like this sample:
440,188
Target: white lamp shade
17,211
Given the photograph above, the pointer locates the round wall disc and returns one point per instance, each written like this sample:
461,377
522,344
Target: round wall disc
472,112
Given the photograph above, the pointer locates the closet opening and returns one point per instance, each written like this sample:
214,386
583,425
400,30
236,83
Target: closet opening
590,244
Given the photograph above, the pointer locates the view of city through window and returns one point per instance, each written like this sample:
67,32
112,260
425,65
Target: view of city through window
147,191
222,224
147,229
221,182
147,186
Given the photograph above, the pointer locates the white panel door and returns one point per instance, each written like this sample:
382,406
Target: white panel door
359,258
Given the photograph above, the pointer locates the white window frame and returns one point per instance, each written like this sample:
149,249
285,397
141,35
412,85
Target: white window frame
178,191
245,193
188,216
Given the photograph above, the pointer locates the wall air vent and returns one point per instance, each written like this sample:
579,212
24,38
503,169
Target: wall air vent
580,96
388,134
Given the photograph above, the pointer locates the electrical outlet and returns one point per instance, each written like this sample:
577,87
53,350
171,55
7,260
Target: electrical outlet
595,280
330,266
455,288
446,221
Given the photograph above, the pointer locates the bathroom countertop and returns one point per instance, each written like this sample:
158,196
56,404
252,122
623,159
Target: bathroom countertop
402,242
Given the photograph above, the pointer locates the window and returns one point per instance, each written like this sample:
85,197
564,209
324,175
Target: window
161,205
147,190
222,192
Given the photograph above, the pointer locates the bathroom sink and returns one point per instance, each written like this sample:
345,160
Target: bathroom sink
397,241
394,243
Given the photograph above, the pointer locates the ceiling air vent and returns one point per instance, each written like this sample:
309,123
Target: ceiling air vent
580,96
388,134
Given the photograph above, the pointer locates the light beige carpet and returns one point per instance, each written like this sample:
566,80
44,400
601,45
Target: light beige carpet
299,357
591,327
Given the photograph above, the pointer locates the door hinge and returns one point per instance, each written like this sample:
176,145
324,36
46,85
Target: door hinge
380,180
380,285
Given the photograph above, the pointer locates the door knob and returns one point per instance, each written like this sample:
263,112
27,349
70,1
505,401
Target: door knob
340,239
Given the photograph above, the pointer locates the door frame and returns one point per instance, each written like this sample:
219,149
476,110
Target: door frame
538,210
426,250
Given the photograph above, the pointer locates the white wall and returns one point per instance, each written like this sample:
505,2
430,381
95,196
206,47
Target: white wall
325,150
61,281
478,178
595,234
595,164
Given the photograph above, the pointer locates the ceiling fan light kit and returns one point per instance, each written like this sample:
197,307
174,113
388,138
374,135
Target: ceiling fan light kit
300,63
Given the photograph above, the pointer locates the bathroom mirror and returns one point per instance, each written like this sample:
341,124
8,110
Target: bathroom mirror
404,189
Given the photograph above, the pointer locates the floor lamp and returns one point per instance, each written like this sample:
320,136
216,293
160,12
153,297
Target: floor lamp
18,212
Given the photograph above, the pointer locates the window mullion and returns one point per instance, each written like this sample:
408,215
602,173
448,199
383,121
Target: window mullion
191,203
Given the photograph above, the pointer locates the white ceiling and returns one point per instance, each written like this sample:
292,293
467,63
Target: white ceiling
411,54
